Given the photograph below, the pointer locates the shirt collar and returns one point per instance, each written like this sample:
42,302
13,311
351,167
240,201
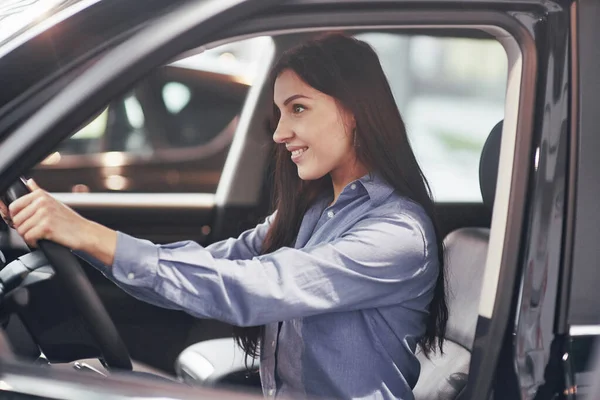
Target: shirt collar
376,186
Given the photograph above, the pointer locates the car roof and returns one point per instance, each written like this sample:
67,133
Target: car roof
32,56
20,20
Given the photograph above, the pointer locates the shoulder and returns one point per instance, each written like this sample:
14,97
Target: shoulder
407,217
387,202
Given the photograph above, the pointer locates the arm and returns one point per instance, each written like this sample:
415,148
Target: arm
38,215
100,243
246,246
381,261
142,294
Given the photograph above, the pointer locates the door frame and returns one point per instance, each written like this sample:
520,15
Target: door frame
174,33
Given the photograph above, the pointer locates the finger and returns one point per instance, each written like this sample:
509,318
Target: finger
32,185
19,204
34,229
33,235
3,208
27,213
33,221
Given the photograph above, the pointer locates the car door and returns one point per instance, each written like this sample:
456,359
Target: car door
82,99
579,315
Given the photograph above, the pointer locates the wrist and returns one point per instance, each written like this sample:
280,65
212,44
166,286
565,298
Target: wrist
99,241
88,234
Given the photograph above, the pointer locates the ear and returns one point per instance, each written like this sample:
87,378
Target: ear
346,117
349,121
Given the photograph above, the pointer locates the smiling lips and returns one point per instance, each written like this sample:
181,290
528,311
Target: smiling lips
297,152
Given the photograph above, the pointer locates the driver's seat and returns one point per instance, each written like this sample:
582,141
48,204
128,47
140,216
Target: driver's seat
443,376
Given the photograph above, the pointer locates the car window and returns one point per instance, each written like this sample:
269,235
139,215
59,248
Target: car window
450,92
170,133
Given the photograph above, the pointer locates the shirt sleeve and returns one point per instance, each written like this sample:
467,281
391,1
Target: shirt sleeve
381,261
246,246
140,293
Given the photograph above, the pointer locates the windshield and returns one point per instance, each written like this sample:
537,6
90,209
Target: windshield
18,17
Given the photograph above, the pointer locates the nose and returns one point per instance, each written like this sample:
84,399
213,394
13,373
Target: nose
283,133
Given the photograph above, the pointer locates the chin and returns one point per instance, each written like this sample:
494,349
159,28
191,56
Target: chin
308,175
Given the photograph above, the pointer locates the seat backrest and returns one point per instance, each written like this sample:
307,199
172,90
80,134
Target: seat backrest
444,376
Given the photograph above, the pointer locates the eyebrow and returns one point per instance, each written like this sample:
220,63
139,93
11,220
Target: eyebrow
294,97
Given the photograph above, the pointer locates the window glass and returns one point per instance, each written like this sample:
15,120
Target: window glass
176,96
450,92
170,133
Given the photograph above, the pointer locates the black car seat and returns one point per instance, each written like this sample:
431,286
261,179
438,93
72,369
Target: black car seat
444,376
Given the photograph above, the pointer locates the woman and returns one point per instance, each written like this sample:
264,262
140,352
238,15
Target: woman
338,287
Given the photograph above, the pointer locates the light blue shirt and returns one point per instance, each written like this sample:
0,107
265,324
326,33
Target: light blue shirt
353,293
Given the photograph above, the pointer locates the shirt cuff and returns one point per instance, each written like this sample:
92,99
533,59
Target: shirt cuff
135,262
94,262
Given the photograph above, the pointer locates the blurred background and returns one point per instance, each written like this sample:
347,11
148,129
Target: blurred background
171,133
450,92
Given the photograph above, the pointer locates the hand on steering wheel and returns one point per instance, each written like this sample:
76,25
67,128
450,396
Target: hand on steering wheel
37,215
54,218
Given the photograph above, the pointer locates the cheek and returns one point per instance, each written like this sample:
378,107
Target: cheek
323,131
337,140
331,151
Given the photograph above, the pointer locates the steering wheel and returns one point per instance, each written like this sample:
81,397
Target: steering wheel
77,286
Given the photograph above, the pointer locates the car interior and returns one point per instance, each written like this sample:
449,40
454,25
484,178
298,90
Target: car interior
172,345
220,361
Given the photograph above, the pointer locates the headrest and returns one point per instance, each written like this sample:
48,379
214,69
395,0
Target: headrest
488,165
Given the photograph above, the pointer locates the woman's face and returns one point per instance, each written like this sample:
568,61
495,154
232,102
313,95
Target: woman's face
316,131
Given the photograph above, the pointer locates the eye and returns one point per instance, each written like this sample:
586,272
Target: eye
298,108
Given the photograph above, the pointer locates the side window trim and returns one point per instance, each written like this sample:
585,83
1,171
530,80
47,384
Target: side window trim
138,200
584,330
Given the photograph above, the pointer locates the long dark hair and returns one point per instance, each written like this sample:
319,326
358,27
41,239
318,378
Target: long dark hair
349,70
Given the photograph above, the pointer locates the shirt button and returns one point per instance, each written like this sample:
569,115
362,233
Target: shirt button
273,343
330,214
130,276
353,186
271,392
